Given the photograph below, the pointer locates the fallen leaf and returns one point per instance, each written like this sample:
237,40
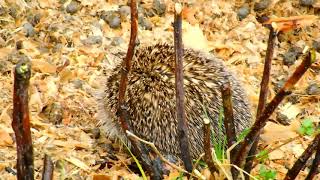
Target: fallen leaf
78,163
5,138
43,66
289,23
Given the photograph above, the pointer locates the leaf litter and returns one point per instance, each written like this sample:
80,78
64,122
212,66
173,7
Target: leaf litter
69,53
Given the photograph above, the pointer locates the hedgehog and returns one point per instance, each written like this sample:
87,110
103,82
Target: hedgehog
151,102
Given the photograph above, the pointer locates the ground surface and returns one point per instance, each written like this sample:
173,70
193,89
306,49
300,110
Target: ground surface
69,44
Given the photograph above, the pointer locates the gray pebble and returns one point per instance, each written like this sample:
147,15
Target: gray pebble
145,23
2,11
263,4
116,41
290,57
316,45
73,7
306,2
243,12
112,18
159,6
29,30
124,11
54,113
313,89
91,40
77,83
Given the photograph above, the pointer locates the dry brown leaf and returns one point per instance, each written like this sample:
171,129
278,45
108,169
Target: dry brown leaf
78,163
43,66
188,14
289,23
5,138
275,132
101,177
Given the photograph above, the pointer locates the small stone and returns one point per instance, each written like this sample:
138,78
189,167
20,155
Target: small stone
313,89
124,11
290,57
145,23
29,30
282,119
159,7
13,12
34,20
294,99
306,2
95,133
316,45
243,12
73,7
278,85
4,66
262,5
77,83
2,11
91,40
116,41
112,18
54,113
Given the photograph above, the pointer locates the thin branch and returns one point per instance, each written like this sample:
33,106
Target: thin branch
48,167
207,146
229,120
138,149
228,115
301,162
126,64
262,120
263,95
315,164
182,124
21,121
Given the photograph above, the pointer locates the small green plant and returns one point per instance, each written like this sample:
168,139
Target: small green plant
220,145
243,134
267,174
306,128
262,156
144,177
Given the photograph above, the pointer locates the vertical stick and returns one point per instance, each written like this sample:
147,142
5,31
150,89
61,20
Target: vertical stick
138,148
315,164
47,173
21,121
126,64
229,121
263,95
182,124
207,146
301,162
228,115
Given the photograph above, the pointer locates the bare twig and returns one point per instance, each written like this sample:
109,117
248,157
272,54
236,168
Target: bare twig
228,115
126,64
48,167
182,124
315,164
301,162
21,121
138,148
263,95
207,146
262,120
